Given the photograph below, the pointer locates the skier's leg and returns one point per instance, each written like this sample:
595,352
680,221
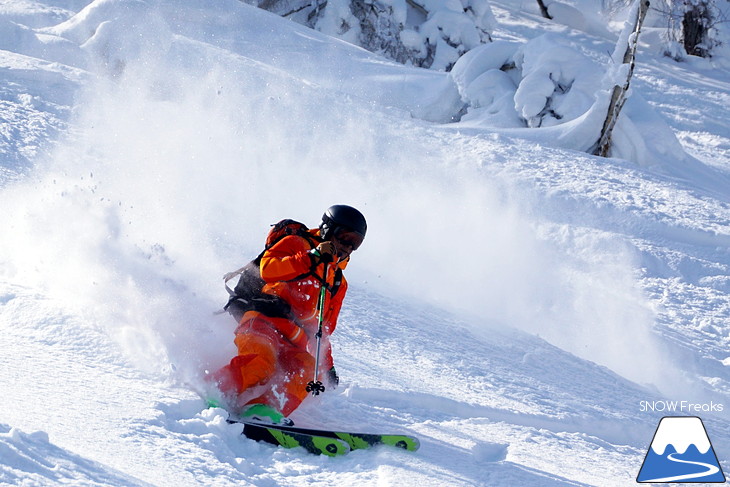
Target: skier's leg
256,359
255,363
288,388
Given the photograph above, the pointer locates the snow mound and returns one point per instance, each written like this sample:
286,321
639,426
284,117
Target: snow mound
31,459
548,91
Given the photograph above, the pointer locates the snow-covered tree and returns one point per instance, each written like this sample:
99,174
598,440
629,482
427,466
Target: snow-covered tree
692,26
696,23
543,83
425,33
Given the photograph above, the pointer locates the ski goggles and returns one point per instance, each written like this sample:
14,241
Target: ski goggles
347,238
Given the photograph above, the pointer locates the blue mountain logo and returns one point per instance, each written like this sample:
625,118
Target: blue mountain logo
680,452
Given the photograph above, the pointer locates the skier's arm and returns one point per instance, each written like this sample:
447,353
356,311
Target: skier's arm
288,259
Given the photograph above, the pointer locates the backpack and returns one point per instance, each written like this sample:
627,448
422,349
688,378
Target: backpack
247,294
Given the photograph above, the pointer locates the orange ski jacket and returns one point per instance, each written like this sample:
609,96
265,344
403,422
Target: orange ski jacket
289,259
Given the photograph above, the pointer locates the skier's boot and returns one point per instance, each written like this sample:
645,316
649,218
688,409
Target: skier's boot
263,413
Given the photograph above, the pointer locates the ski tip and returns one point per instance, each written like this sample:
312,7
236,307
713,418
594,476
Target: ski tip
409,443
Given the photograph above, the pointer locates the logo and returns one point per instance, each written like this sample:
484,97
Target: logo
680,452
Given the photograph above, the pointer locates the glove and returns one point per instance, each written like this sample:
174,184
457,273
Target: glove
325,252
333,378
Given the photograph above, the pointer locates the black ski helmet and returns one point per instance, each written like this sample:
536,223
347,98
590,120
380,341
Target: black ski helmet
342,217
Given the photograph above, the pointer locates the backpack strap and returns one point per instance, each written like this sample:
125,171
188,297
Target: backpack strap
335,284
230,275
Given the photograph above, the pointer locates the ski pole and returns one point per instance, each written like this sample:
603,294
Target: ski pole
315,386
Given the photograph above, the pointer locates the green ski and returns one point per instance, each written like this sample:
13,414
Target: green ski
317,444
354,441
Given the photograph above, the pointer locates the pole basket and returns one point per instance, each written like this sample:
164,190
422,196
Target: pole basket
315,387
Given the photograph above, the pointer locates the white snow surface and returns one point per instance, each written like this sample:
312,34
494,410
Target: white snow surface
517,304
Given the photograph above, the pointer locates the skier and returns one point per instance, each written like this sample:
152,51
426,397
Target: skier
279,346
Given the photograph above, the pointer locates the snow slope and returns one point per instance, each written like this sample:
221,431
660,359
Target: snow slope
516,305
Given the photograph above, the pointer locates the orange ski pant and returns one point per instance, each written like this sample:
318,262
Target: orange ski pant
265,358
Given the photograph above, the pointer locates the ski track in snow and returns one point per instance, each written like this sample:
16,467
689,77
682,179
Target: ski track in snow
522,385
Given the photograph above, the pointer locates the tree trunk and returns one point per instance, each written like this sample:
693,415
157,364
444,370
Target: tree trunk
695,23
618,97
544,10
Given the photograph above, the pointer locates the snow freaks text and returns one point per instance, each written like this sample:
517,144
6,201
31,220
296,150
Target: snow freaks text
682,407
